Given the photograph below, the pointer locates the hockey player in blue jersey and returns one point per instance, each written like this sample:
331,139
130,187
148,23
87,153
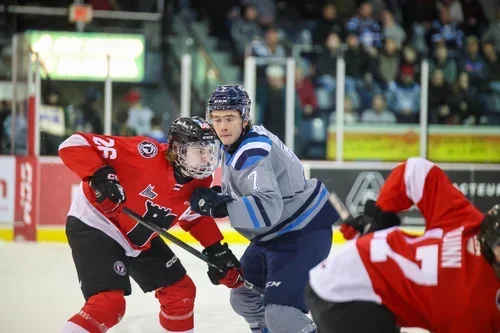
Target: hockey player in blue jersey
287,218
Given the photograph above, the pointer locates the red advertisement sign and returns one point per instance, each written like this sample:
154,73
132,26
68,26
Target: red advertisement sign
26,213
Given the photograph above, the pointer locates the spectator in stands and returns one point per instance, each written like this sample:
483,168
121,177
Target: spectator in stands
493,61
463,102
454,8
21,131
156,130
446,31
271,46
328,23
357,60
6,63
351,116
139,115
493,33
272,102
367,89
53,122
409,58
474,17
378,114
440,92
388,62
403,96
366,27
440,61
266,10
245,29
120,126
473,63
5,111
305,91
87,118
392,30
326,71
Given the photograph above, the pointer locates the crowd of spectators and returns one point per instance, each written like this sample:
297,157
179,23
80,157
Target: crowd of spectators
383,43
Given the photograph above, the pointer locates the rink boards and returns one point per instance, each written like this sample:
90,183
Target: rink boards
36,193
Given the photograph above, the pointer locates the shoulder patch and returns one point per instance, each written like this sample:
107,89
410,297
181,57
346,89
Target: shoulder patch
252,150
147,149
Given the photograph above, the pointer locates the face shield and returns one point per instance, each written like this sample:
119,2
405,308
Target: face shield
198,159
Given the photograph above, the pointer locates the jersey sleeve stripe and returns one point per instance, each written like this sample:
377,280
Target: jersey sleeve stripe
416,170
251,212
249,158
263,213
74,141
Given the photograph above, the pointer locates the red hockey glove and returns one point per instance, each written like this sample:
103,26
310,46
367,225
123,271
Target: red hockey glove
108,191
221,256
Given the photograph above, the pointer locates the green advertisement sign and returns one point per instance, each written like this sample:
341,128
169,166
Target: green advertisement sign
83,56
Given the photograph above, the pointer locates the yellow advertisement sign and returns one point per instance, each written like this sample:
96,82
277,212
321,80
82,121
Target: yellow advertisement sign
398,142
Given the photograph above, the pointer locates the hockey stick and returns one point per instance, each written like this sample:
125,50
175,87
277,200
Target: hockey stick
339,206
185,246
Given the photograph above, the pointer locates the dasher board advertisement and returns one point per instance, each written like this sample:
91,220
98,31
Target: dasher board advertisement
355,186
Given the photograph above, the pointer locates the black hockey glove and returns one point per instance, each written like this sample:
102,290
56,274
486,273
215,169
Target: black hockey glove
208,202
373,219
220,255
217,188
108,192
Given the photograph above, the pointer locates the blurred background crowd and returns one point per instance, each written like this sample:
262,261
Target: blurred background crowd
383,44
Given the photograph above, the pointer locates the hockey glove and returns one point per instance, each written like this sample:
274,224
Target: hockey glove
220,255
373,219
208,202
108,191
217,188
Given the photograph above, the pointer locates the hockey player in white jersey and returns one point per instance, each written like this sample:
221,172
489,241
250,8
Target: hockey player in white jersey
287,218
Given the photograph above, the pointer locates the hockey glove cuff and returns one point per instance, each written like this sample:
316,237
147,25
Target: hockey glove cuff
221,256
108,192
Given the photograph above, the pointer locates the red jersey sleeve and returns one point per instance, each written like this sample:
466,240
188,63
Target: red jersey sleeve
422,183
81,154
203,228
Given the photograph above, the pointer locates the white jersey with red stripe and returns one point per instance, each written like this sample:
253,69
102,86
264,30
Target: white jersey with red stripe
439,281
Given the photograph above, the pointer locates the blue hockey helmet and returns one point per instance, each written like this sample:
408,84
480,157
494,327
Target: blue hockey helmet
229,97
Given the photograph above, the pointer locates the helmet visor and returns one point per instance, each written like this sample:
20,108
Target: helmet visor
199,159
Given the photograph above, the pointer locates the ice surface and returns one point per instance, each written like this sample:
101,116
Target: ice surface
39,291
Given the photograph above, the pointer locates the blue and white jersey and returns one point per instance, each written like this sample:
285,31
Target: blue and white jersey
271,195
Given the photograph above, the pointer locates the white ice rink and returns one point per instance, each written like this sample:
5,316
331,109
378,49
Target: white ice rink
39,291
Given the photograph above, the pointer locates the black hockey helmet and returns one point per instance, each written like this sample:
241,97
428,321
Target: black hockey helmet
489,236
193,147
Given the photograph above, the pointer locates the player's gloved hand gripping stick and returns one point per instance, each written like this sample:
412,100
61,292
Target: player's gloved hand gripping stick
183,245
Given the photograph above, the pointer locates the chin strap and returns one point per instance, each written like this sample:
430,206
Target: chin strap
180,177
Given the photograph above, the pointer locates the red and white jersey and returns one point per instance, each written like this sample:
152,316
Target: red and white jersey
438,281
146,177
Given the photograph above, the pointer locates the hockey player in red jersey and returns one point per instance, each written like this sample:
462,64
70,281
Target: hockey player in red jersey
156,181
445,281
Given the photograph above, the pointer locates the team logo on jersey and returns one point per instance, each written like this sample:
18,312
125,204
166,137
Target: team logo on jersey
120,268
366,187
148,192
147,149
